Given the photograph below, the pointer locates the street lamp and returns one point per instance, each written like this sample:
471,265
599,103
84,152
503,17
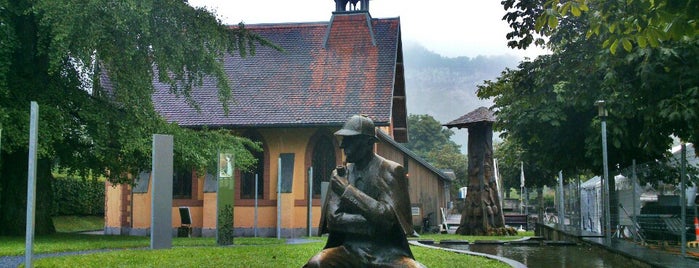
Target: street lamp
602,113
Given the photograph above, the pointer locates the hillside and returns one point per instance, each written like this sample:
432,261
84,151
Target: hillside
445,88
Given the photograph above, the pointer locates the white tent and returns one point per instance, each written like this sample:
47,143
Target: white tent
591,202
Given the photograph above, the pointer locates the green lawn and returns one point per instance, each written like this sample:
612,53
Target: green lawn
132,251
275,255
72,224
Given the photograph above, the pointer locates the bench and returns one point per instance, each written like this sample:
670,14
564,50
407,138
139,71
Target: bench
516,220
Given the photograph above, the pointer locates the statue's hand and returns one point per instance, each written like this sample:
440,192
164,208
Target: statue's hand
339,184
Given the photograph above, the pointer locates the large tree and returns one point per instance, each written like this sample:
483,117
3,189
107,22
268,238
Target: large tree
90,66
546,106
645,23
431,141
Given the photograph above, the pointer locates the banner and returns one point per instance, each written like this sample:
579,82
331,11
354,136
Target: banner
225,198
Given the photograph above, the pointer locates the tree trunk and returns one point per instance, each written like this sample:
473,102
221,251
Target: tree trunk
13,195
482,213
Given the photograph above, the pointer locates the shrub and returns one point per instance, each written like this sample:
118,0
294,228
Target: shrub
78,196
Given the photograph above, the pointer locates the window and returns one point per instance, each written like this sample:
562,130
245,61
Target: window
323,163
182,184
247,179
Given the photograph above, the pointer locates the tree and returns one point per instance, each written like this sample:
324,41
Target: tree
650,89
546,105
646,23
90,66
431,141
509,158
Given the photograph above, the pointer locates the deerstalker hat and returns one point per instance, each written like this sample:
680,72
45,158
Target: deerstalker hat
358,125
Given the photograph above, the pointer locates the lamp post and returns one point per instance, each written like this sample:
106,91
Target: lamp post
602,113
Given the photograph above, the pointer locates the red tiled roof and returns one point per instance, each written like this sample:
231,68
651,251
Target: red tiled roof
324,76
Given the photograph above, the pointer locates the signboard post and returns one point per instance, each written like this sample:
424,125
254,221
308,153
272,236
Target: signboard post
31,183
161,200
225,197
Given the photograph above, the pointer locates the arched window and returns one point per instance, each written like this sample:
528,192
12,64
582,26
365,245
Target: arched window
247,179
323,162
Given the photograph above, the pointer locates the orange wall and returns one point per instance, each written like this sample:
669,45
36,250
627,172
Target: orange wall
209,210
292,140
112,217
141,208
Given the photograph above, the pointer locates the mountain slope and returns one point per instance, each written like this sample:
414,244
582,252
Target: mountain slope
445,88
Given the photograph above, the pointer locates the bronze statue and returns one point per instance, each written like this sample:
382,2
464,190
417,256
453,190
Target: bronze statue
367,208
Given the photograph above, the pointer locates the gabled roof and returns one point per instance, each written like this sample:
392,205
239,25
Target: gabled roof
324,76
482,114
441,174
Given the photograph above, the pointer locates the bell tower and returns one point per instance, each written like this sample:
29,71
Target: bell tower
350,25
351,5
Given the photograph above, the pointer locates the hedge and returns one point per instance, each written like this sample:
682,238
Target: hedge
78,197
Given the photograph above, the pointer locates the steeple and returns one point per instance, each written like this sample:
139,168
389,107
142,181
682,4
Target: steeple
351,5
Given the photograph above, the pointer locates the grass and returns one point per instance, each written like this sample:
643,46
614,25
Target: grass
270,252
132,251
66,242
239,256
73,224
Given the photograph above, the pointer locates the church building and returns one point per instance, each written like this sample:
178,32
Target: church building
292,102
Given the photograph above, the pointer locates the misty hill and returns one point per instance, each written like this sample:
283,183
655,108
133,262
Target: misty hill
445,88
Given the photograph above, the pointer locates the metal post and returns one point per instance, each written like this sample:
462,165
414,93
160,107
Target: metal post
580,222
605,181
521,200
31,183
683,197
279,198
310,200
521,187
526,200
561,205
634,181
605,186
161,192
256,191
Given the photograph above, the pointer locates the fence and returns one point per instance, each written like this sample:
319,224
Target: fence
646,203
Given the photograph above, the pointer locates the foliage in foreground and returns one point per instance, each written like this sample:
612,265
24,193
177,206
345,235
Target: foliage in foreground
90,65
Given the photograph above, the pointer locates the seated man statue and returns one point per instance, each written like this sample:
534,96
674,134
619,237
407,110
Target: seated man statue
367,208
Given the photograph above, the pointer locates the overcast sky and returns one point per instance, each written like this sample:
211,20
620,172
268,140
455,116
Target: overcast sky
449,27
